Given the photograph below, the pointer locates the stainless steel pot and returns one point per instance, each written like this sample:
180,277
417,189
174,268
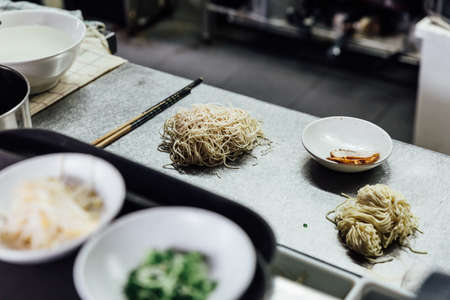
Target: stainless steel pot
14,93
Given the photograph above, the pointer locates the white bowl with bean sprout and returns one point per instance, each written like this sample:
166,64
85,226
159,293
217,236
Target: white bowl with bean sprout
53,203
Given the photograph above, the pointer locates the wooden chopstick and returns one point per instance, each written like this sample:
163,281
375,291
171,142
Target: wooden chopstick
114,131
133,125
137,121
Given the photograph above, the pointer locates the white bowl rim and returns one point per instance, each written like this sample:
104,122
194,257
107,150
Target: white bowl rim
30,256
80,261
379,162
46,11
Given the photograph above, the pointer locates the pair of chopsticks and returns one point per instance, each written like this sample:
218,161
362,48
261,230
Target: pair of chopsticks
151,112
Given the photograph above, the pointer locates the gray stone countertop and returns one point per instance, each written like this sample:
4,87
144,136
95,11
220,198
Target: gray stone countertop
285,186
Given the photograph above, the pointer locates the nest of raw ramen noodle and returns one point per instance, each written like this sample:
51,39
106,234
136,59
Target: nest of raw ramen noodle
376,218
210,135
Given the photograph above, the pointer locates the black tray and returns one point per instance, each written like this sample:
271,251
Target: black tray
54,280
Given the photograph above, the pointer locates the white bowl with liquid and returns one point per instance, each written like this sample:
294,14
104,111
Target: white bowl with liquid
40,44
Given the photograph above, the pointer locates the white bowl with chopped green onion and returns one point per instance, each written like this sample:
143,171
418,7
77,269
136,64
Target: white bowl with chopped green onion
172,252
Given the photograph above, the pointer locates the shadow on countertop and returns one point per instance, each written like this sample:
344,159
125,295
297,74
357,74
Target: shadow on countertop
337,182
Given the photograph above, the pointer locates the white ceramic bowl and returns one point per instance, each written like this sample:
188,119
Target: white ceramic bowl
44,73
105,179
103,265
325,135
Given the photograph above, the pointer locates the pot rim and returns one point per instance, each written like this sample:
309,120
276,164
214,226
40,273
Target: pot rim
27,94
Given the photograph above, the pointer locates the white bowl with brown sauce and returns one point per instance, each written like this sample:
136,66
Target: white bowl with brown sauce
23,194
41,44
324,137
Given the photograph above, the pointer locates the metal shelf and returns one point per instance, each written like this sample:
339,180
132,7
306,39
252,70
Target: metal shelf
377,46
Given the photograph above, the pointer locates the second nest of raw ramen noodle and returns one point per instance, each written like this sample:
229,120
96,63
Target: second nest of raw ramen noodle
210,135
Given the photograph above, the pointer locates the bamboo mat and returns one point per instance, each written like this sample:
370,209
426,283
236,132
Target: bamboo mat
92,62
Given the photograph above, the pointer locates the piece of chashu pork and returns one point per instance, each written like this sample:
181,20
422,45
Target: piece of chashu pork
352,157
